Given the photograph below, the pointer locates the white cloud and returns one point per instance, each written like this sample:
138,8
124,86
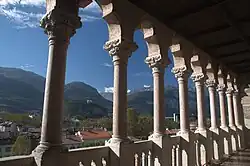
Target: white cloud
111,90
107,65
23,2
146,86
19,12
93,8
91,13
27,66
21,18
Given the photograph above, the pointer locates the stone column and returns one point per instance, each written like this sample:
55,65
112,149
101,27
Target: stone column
211,90
232,132
120,50
199,85
221,92
182,76
59,27
236,106
229,93
158,70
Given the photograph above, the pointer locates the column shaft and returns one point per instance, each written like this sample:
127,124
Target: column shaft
54,94
211,90
120,99
200,104
222,107
183,103
236,108
59,30
120,50
159,112
230,109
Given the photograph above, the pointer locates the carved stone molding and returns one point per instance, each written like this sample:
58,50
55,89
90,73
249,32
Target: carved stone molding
221,87
197,77
154,61
115,47
60,25
179,72
229,90
210,83
236,93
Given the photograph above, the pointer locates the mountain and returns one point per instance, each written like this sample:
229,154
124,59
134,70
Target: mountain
142,100
22,91
18,96
85,100
23,76
107,95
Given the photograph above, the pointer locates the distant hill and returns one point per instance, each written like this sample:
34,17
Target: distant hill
107,95
22,91
142,100
27,77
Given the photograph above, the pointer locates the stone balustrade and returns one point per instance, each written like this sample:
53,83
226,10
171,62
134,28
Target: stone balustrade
187,148
17,161
141,153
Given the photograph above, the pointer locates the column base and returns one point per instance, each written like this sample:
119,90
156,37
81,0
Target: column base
224,128
204,138
119,151
227,140
187,147
233,127
46,155
118,141
217,144
160,148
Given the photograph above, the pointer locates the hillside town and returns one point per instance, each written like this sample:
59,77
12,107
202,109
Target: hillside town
72,137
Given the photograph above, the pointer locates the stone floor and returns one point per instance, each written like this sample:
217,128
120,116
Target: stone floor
240,159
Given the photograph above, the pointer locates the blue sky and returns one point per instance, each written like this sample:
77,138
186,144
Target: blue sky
24,45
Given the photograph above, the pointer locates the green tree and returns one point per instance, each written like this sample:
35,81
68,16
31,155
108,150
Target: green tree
132,117
22,146
170,124
144,126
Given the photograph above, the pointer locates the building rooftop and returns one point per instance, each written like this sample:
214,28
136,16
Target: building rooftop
93,134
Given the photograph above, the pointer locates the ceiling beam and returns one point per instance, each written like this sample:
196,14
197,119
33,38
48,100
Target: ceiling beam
233,54
208,31
245,70
241,62
234,24
195,10
224,44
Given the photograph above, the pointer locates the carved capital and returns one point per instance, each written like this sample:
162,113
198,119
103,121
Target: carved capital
229,90
236,93
179,72
115,47
197,77
210,83
221,87
60,26
155,61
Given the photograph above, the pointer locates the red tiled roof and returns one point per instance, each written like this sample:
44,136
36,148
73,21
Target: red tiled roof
172,131
94,134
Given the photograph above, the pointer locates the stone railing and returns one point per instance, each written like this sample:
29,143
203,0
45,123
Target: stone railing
17,161
176,151
141,153
98,156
